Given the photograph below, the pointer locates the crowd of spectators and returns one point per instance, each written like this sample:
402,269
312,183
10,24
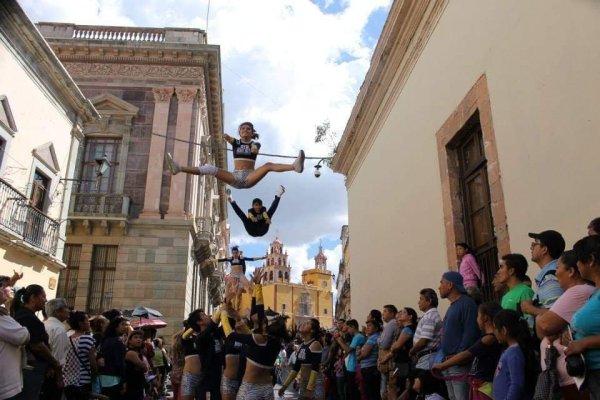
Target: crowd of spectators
540,342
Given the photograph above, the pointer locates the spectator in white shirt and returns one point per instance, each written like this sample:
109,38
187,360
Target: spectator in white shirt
12,337
57,312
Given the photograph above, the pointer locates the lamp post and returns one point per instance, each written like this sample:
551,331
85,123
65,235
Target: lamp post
102,166
318,166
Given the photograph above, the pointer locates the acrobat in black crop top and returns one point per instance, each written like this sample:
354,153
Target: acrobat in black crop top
243,151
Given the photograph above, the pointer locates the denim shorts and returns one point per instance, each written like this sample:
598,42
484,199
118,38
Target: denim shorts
241,178
189,383
229,386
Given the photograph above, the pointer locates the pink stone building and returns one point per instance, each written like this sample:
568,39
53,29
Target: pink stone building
137,235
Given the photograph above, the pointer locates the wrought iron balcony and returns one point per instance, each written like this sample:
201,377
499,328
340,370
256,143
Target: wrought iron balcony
18,216
87,205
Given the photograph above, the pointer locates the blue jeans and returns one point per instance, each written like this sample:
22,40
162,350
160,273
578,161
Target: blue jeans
459,389
33,379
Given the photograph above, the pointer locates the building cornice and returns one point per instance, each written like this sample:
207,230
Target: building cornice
37,56
409,25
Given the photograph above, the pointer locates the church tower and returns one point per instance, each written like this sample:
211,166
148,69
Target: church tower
277,268
319,276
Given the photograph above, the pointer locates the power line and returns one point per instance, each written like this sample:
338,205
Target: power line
262,154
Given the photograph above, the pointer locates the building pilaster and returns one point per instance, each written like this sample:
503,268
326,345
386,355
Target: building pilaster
162,98
185,101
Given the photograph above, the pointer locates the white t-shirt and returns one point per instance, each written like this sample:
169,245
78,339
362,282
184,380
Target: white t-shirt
12,337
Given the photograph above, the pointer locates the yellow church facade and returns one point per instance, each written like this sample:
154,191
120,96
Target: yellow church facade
313,298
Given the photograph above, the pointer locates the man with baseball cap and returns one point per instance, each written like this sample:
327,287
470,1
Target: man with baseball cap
460,330
546,248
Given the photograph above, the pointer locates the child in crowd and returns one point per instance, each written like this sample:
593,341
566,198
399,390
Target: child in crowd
484,353
511,372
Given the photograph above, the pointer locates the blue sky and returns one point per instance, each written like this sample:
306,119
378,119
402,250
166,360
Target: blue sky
287,66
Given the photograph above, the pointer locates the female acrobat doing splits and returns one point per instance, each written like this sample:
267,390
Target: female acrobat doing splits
308,363
258,219
262,347
236,282
245,151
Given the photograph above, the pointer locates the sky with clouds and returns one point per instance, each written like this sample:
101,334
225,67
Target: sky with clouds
287,66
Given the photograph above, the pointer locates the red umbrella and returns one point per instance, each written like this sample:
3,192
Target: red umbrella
148,323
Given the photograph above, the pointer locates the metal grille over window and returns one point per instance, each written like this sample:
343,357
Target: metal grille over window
104,264
67,284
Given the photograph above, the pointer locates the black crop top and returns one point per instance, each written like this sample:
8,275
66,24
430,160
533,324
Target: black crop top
261,355
189,345
232,347
243,151
307,356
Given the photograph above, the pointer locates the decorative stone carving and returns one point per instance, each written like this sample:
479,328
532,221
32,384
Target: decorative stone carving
133,70
105,227
87,226
186,95
202,101
124,227
162,94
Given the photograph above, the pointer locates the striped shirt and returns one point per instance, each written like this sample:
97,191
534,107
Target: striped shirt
548,288
78,371
429,327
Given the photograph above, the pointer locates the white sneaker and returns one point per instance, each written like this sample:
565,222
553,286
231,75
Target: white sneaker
171,164
280,191
229,196
299,162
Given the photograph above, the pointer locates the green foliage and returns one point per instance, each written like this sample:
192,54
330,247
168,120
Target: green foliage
325,135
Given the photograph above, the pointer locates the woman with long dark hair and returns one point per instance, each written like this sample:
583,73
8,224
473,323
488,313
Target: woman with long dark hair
552,325
262,346
406,319
245,150
114,350
586,321
308,363
81,358
26,303
515,374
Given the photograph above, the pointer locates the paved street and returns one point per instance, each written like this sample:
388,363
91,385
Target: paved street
289,394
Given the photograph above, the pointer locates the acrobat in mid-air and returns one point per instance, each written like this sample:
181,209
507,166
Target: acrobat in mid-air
236,282
245,151
258,219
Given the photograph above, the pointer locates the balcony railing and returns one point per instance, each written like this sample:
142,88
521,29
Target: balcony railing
99,205
119,33
19,217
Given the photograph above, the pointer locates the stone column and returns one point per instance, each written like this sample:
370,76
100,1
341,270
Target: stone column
185,101
162,98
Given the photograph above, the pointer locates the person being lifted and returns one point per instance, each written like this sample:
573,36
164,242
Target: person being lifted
258,219
245,150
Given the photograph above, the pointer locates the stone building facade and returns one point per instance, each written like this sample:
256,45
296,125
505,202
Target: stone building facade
136,234
485,113
342,283
312,298
42,115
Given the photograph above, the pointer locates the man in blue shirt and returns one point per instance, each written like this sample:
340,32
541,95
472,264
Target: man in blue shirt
350,350
545,251
460,330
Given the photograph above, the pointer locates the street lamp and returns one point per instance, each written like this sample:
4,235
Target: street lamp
317,170
103,165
